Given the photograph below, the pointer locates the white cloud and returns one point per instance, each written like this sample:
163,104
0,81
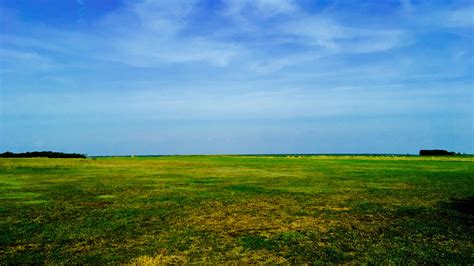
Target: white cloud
158,38
426,17
146,51
18,60
459,18
324,32
265,8
163,17
407,5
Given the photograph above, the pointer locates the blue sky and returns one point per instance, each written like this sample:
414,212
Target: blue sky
236,76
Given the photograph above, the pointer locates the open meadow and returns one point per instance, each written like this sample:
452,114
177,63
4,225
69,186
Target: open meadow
237,209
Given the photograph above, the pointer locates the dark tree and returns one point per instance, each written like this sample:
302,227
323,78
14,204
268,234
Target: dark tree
436,153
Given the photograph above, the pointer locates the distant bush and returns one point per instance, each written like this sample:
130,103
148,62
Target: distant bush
48,154
436,153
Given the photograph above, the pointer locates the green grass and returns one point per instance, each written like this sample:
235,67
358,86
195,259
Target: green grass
237,209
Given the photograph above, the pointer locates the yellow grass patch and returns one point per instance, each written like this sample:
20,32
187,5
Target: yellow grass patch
236,256
263,217
106,196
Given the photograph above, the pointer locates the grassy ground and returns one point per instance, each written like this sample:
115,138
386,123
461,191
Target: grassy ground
215,209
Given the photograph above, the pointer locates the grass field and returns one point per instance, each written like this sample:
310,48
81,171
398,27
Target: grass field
216,209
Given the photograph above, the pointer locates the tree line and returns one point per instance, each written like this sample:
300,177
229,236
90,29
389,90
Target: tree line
48,154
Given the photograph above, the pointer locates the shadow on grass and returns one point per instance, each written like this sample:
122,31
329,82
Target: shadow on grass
464,209
465,205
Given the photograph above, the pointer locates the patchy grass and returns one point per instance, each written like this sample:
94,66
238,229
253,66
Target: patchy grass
237,209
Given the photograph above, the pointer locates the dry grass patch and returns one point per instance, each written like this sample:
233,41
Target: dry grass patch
236,256
265,217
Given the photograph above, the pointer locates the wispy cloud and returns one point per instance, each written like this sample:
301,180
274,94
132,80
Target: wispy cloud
26,61
252,33
323,32
388,100
264,8
459,18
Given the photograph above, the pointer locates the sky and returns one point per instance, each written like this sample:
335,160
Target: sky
122,77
